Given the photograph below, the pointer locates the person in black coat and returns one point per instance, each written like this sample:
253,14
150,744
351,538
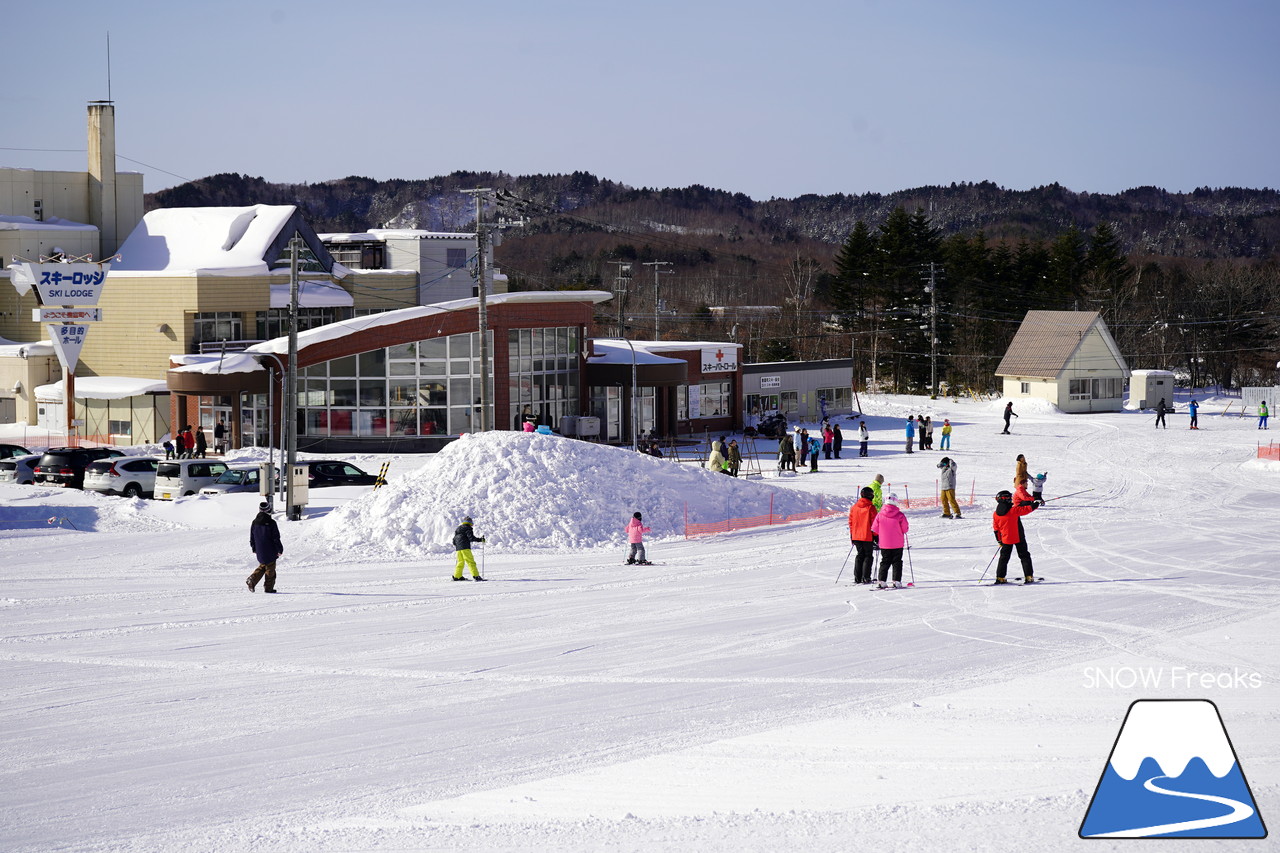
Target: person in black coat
264,541
462,539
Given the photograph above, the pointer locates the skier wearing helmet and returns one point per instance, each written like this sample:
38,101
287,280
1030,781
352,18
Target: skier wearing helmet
1006,521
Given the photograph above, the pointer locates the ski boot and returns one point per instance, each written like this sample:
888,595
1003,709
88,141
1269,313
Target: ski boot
1001,580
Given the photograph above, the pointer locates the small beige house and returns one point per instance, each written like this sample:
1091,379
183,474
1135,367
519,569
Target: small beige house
1068,358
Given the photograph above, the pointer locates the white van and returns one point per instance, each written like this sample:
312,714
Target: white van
179,477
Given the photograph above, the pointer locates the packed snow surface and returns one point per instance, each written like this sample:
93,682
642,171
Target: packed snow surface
733,697
525,490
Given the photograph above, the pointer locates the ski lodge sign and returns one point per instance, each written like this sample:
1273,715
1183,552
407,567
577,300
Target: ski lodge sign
61,284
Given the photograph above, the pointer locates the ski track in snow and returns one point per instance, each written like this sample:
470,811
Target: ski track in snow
153,704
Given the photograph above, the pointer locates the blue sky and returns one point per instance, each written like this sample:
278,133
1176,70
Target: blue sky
768,99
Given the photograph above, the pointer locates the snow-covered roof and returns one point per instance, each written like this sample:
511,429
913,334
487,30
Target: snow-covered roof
232,362
13,349
228,240
617,352
342,328
665,346
103,388
52,223
383,234
312,294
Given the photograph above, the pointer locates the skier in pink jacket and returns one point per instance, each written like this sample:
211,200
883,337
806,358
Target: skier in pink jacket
635,536
890,527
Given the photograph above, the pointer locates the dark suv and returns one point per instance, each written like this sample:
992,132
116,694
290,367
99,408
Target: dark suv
64,466
9,451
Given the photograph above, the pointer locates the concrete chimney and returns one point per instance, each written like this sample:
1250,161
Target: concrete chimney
102,175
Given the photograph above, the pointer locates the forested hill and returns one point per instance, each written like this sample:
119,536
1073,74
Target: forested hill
1204,224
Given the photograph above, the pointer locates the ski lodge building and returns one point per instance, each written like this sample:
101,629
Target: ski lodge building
1068,358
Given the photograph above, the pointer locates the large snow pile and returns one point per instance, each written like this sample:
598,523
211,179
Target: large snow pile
526,490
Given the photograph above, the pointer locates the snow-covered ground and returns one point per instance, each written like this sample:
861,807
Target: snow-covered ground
732,697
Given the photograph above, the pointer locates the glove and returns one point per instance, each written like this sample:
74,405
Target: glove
997,533
1037,504
1027,503
481,539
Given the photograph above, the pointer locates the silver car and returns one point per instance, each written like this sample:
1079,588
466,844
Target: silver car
131,476
234,480
19,469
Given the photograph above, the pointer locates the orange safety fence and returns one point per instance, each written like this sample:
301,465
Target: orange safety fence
727,525
707,528
934,502
1270,451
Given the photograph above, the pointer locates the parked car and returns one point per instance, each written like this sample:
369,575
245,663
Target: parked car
19,469
64,466
330,472
179,477
235,480
8,451
132,476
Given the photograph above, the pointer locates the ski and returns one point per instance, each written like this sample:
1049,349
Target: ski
1018,583
874,588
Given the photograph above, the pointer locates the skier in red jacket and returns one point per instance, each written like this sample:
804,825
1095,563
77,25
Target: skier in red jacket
861,515
1006,521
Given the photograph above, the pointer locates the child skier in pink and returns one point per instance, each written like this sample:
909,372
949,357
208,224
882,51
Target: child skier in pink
635,536
890,527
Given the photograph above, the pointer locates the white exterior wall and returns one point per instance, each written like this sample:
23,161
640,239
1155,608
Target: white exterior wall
1040,389
1147,387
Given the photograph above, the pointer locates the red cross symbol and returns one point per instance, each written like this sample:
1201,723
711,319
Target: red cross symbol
720,354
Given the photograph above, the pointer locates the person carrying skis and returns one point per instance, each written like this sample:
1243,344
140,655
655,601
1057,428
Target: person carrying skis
264,541
462,539
861,516
864,436
911,434
1008,413
947,484
877,491
946,435
1006,521
1161,411
635,537
1263,414
890,527
1194,408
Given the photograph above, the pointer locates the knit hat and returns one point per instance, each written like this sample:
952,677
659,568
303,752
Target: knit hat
635,515
466,519
946,460
264,506
867,493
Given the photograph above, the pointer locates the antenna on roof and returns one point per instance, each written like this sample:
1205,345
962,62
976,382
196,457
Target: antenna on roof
109,66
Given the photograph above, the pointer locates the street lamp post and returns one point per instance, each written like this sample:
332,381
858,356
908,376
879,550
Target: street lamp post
635,432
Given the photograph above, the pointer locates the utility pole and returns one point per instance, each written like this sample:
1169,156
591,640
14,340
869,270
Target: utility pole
289,406
932,290
482,280
620,282
657,268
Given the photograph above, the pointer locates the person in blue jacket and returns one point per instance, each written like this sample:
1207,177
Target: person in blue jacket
911,434
1194,408
815,447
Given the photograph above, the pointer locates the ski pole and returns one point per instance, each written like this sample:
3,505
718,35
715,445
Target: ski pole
909,565
989,562
1072,495
846,562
